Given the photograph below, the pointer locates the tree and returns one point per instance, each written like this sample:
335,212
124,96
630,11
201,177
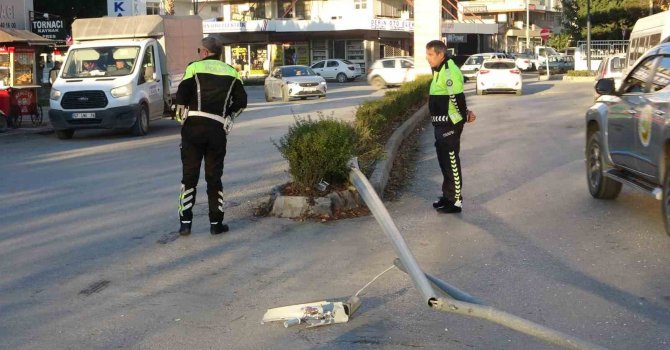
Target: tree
169,7
609,18
559,41
570,18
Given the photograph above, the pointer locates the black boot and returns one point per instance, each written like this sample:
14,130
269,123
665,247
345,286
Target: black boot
441,202
216,228
185,228
451,207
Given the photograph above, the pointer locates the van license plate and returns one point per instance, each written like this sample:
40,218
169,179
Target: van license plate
83,115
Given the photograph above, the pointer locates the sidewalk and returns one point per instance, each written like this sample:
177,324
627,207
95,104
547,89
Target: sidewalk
28,128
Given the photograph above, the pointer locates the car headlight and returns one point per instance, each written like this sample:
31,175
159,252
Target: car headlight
123,90
290,83
323,83
55,94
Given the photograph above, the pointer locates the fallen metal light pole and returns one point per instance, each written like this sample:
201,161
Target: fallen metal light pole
458,302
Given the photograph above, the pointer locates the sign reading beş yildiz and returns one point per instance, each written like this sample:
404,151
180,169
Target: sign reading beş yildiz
53,29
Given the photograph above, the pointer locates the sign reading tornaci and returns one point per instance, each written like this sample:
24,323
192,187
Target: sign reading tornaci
53,29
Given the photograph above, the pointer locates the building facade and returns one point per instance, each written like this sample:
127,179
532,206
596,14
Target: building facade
510,17
260,35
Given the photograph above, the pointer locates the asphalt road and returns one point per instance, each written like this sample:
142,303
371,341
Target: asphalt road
89,258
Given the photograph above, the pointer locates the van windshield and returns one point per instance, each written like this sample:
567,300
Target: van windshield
100,62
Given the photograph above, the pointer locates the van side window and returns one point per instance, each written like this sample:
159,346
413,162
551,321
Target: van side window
148,66
632,57
661,78
636,82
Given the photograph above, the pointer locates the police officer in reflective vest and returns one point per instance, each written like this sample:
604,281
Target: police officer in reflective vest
209,97
449,113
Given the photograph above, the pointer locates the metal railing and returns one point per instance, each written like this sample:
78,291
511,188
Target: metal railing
602,48
453,300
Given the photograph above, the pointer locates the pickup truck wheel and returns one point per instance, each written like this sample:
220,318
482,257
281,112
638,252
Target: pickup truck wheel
65,134
600,186
666,200
141,126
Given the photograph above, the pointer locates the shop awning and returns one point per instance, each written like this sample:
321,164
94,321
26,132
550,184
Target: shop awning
22,36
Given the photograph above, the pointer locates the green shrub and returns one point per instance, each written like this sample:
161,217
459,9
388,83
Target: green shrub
376,116
580,73
318,150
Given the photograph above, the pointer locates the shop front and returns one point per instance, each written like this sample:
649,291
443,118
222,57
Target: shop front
18,77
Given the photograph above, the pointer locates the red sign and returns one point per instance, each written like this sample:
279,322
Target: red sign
24,99
545,33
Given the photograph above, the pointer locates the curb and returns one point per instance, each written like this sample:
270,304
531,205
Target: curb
26,131
578,79
380,175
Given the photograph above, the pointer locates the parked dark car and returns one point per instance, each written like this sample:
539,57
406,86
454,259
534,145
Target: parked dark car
628,132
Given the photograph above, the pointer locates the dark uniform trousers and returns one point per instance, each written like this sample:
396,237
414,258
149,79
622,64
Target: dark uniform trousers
202,138
448,146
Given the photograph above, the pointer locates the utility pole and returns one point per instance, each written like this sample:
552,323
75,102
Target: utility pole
527,26
588,35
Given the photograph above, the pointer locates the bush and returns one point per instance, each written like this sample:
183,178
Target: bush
377,116
580,73
318,150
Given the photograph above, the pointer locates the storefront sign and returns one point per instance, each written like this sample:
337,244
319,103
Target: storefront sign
120,8
475,9
457,38
392,25
51,29
235,26
14,13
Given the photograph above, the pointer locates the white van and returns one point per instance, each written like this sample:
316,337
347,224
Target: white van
648,32
122,72
474,63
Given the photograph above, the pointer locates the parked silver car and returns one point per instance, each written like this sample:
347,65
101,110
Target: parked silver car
287,82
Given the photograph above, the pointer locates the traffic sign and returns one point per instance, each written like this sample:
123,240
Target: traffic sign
545,33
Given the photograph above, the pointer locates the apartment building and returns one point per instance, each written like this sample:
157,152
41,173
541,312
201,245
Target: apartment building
259,35
510,17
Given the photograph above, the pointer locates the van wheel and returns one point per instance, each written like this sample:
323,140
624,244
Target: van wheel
141,126
267,96
600,186
378,83
65,134
284,95
341,78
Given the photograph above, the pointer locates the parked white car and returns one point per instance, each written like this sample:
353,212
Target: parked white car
287,82
499,75
340,70
523,61
391,71
474,63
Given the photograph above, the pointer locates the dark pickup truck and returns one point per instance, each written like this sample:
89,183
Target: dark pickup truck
628,132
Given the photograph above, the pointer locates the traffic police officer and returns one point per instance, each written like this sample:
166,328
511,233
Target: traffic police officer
209,97
449,113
